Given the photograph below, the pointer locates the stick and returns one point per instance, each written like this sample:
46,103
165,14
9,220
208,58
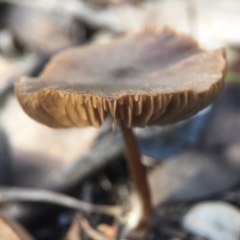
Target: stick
37,195
74,8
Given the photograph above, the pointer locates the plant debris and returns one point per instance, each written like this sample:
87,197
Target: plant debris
74,184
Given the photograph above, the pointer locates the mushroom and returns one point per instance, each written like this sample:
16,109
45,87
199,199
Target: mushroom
153,77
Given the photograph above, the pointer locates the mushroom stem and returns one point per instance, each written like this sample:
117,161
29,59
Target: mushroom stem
139,179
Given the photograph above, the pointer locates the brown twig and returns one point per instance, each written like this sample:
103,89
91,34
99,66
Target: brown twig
37,195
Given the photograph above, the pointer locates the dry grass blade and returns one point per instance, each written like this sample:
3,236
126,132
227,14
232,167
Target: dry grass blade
37,195
11,230
74,231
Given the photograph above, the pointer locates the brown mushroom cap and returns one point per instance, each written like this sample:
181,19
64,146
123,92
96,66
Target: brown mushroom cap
150,78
